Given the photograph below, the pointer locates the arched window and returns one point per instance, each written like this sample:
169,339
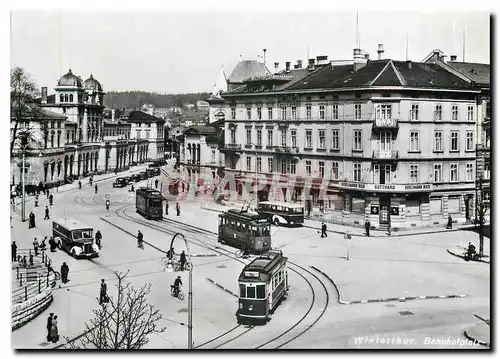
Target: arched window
65,98
61,98
70,98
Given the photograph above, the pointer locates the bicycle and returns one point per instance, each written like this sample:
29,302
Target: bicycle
241,254
180,294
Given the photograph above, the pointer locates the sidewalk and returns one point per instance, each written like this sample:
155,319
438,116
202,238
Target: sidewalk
479,333
459,251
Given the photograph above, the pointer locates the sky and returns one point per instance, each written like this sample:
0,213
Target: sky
179,52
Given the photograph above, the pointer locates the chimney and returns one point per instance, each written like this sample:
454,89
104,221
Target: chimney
322,60
408,62
453,58
360,59
287,66
276,67
311,64
380,51
113,114
44,94
299,64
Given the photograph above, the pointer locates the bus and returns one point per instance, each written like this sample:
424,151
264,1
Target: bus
282,213
242,230
75,238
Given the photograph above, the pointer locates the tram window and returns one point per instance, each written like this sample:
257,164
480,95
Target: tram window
242,291
251,292
261,291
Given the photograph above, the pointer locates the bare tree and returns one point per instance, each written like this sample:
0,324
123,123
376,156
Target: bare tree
23,91
124,323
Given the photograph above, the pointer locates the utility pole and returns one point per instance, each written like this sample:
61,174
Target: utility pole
23,204
481,208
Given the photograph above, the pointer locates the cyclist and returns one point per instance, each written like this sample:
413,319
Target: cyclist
175,287
140,242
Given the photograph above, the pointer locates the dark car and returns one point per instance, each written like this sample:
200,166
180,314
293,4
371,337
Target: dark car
135,178
150,172
128,179
120,182
143,175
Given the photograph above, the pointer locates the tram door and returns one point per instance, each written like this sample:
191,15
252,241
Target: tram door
385,206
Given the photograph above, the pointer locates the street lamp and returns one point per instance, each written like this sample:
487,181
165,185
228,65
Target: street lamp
170,268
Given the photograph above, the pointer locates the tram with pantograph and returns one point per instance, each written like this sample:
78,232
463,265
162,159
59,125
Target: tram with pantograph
148,203
245,230
263,285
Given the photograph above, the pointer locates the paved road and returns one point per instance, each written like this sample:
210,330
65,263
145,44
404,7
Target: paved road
381,267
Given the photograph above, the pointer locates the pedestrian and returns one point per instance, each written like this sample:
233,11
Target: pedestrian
52,244
178,208
156,183
51,199
36,200
166,208
367,228
96,188
46,213
49,325
25,261
31,220
103,295
31,260
47,193
183,260
13,249
79,184
323,230
450,221
54,331
64,273
98,238
43,246
140,240
35,246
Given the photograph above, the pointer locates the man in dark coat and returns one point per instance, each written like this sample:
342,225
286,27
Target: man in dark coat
183,260
32,220
52,244
178,208
36,245
46,213
156,183
13,248
450,221
51,199
103,295
323,230
98,238
367,228
96,188
166,208
49,326
64,273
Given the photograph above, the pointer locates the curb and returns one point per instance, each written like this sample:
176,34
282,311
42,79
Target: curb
221,287
479,341
392,299
463,257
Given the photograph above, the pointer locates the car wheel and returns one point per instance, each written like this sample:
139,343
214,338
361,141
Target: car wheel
59,244
276,222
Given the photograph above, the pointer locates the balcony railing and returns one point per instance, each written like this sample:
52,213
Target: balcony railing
286,149
385,154
231,147
385,123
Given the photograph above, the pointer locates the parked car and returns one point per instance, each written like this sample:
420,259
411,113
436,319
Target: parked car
143,175
120,182
135,178
150,173
127,179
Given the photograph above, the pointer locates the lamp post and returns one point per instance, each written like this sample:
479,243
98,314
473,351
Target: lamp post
170,266
23,204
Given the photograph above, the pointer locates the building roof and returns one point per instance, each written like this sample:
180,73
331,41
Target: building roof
246,69
70,79
92,84
479,73
139,116
35,111
201,130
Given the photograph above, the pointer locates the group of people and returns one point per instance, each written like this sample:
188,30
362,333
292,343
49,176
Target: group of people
177,208
52,329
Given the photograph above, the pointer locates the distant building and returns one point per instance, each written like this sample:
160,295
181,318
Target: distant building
189,106
202,106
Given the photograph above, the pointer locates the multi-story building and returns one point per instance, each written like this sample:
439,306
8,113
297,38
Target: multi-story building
149,131
387,141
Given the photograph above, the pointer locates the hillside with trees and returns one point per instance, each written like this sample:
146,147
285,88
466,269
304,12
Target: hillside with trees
136,99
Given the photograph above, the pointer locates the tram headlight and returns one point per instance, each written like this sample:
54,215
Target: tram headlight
250,308
241,305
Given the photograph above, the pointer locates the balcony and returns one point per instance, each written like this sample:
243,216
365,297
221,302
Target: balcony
286,149
385,155
231,147
385,123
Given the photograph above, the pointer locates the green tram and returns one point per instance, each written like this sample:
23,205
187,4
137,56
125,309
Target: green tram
242,230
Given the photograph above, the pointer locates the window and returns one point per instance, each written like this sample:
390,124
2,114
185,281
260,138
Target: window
308,139
293,168
270,164
321,112
259,137
414,141
335,139
322,140
470,141
308,167
259,113
283,166
249,136
414,174
233,113
357,172
294,112
251,292
357,111
454,141
249,113
294,138
232,133
387,176
283,138
67,137
70,98
61,98
454,113
283,112
357,205
321,169
259,164
470,113
269,138
261,291
469,173
308,111
438,173
270,113
147,134
335,170
249,163
213,156
66,98
357,140
414,113
58,139
454,172
335,112
438,141
384,112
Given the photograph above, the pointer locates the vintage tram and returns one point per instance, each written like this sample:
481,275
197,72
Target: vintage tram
263,284
148,203
245,230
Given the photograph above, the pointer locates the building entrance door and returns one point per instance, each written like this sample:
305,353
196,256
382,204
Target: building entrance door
385,213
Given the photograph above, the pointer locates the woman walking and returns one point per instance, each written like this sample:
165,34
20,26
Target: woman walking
54,332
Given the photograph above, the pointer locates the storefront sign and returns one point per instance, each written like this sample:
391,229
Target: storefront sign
417,186
374,210
385,186
353,185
